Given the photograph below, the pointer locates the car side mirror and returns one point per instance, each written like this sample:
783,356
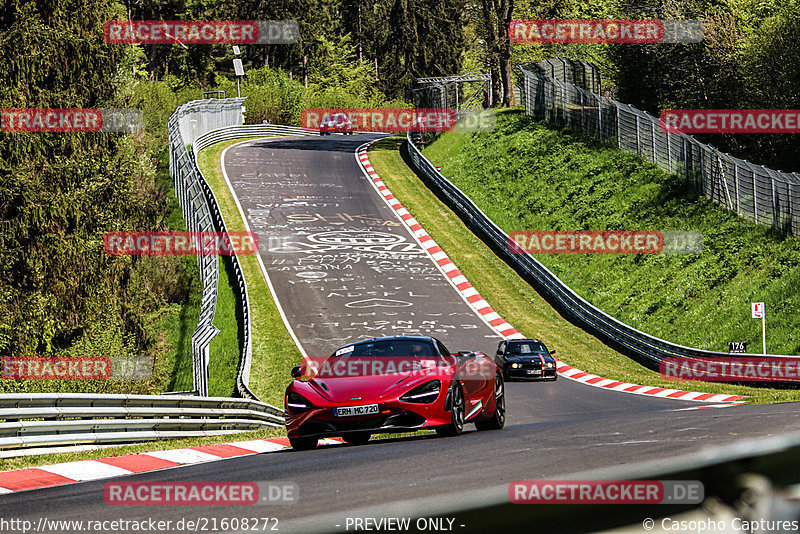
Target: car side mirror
298,371
553,351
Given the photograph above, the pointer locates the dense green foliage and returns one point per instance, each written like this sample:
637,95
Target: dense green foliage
60,294
528,177
393,41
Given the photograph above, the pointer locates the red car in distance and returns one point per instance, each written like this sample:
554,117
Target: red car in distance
336,123
393,384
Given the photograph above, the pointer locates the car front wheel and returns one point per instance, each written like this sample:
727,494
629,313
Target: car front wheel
457,411
498,419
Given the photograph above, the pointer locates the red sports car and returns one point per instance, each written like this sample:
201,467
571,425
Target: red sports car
336,123
393,384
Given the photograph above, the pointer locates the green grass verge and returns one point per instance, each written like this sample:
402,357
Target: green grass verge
22,462
274,351
513,298
225,349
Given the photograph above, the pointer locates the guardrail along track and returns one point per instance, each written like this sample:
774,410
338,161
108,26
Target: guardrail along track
49,419
35,420
203,123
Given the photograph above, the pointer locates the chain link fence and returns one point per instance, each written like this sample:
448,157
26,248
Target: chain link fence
759,194
581,73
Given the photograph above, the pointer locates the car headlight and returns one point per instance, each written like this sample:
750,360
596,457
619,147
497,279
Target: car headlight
296,403
550,364
424,394
516,365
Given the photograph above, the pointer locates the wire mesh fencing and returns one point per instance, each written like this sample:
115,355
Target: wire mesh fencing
755,192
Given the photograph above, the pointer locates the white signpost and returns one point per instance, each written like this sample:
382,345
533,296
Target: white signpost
759,312
239,70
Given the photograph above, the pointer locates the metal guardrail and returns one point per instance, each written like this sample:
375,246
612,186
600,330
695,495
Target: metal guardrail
547,284
200,210
204,141
248,130
35,420
202,123
759,194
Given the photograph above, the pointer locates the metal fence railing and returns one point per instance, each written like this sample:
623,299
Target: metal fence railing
200,210
49,419
548,285
581,73
203,123
759,194
463,93
206,140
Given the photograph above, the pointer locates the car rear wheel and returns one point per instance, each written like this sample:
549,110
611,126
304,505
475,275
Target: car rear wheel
456,426
358,438
498,419
303,444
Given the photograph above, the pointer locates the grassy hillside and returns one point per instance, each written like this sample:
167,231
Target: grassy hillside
528,177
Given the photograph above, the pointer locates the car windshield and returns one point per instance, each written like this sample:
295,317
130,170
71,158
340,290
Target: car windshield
531,347
395,347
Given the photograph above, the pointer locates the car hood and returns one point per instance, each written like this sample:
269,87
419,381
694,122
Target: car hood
529,358
367,388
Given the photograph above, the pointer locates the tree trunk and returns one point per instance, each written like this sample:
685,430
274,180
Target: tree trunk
487,8
504,16
509,100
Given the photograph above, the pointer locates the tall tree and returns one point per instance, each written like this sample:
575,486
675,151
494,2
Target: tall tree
495,18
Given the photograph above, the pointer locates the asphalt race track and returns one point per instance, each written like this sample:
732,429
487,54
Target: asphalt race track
344,268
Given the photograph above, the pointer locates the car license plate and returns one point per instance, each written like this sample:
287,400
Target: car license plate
349,411
535,372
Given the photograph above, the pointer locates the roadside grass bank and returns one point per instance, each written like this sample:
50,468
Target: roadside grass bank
525,176
514,299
